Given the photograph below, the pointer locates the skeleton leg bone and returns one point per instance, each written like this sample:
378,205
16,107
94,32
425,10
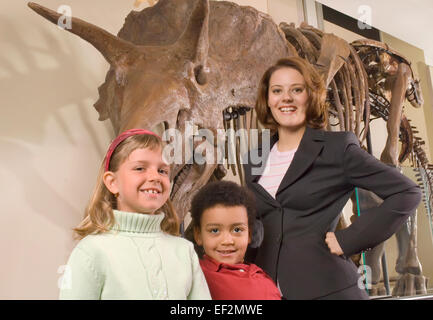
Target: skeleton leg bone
398,84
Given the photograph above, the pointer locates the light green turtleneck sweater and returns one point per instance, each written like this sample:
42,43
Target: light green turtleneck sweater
135,260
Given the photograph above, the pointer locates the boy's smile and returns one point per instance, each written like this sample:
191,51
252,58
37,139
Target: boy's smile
224,233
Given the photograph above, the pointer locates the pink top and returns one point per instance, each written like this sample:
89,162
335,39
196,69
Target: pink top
276,167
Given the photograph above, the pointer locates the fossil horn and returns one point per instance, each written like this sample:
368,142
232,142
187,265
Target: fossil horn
196,35
113,48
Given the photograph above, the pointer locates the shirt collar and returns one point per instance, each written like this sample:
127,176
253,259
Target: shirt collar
216,266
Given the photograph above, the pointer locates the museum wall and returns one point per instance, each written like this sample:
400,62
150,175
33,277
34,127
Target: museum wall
51,140
286,11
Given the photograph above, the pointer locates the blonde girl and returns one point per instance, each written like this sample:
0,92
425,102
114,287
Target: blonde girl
129,247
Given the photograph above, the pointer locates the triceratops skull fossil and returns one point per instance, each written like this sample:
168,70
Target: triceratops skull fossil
179,61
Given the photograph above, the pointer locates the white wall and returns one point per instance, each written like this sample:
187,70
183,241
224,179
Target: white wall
286,11
51,140
409,21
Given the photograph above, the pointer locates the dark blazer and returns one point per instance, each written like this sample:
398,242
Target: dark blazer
324,172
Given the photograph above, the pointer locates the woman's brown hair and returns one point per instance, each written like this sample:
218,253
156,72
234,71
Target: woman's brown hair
317,115
99,217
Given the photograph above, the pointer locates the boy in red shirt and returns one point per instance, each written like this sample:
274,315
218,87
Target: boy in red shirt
223,214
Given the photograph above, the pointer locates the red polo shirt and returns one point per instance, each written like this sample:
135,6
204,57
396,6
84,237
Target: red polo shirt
238,281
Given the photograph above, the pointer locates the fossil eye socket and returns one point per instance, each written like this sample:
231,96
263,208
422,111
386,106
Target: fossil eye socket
200,75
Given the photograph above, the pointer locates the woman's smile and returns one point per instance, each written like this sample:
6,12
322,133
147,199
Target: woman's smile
288,109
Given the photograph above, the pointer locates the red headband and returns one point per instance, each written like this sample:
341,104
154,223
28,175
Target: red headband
120,138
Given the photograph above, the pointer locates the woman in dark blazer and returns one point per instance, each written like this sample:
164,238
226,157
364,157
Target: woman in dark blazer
301,250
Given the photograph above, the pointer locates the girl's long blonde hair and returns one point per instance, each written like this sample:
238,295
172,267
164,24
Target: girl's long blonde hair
99,217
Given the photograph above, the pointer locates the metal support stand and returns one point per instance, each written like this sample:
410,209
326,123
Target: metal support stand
385,275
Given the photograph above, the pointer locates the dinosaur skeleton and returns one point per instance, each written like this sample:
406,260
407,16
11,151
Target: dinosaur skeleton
166,71
391,80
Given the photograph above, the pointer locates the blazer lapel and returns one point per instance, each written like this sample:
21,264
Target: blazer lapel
308,150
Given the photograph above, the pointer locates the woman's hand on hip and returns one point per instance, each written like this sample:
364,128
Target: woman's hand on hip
333,244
